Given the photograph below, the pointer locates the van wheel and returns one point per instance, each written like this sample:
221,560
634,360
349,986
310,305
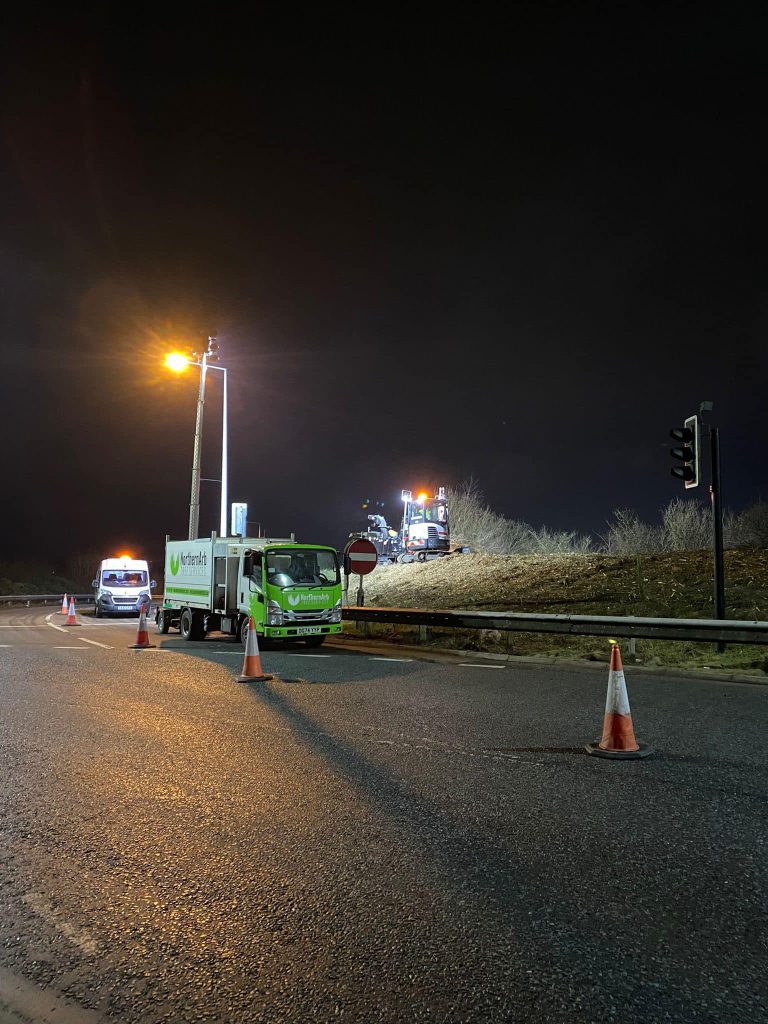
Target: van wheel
97,611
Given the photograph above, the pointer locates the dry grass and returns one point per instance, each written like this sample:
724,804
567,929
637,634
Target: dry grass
677,585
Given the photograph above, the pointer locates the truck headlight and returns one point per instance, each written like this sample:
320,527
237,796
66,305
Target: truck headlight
336,613
274,614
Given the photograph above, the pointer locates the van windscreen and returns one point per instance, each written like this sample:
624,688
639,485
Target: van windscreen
123,578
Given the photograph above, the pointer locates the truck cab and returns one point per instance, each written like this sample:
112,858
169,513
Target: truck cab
122,586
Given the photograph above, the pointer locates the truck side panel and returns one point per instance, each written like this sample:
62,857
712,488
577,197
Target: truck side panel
189,574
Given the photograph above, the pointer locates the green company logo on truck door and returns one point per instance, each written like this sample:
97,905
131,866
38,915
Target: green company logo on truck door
174,565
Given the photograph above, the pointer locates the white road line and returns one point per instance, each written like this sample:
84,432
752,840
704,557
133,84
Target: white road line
69,648
54,626
6,645
390,659
77,936
472,664
24,625
48,617
95,643
311,655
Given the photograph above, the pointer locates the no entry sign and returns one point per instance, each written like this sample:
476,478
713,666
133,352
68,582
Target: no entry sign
359,557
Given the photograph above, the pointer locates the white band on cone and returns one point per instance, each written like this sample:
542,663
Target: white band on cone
617,701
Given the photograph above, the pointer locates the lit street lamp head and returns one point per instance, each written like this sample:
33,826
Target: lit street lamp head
176,361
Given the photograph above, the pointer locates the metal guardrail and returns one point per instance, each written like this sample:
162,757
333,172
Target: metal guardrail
732,631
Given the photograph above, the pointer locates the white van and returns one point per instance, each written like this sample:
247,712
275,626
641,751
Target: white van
122,586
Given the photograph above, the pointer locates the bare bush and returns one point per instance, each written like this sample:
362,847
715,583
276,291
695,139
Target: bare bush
748,528
629,535
686,525
476,525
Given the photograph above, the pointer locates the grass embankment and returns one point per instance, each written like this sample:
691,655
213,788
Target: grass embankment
676,585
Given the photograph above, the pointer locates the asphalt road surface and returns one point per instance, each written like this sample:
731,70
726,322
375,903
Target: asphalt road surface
368,840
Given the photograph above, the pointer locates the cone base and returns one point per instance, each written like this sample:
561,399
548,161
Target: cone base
141,647
619,755
254,679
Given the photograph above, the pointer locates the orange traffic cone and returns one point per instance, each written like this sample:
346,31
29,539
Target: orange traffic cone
142,636
618,739
252,670
71,619
64,605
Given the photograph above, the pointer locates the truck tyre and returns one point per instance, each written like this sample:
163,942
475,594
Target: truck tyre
244,630
314,641
187,625
163,621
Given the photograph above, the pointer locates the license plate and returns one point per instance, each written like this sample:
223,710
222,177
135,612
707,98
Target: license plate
303,630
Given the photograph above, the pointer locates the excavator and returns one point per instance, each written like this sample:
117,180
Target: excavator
423,534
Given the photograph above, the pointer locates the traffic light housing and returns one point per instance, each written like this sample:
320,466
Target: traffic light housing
687,452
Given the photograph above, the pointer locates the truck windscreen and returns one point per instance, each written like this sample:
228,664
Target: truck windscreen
123,578
303,567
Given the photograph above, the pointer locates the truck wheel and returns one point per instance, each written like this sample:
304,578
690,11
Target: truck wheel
187,625
244,631
163,622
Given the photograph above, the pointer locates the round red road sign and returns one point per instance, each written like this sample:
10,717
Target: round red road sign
360,557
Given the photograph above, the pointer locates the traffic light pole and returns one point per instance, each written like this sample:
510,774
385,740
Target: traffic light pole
717,521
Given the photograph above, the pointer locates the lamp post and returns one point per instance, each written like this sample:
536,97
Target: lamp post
178,362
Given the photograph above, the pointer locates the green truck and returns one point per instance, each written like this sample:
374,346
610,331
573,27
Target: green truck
292,591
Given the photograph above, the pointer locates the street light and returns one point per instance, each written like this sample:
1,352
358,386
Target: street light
207,360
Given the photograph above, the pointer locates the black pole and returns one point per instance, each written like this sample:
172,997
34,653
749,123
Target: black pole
717,522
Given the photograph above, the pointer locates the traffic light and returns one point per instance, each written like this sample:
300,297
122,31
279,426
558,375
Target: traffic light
213,349
687,452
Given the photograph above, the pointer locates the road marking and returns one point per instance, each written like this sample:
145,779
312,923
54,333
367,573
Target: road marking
54,626
76,936
69,648
25,625
49,617
390,659
6,645
311,655
95,643
472,664
20,1000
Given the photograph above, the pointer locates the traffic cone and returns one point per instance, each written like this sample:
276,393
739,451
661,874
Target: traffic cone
618,739
142,636
252,670
71,618
64,605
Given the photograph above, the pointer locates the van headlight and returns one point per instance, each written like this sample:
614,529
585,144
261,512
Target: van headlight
274,614
336,613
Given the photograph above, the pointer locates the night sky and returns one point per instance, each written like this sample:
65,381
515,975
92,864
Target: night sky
518,243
